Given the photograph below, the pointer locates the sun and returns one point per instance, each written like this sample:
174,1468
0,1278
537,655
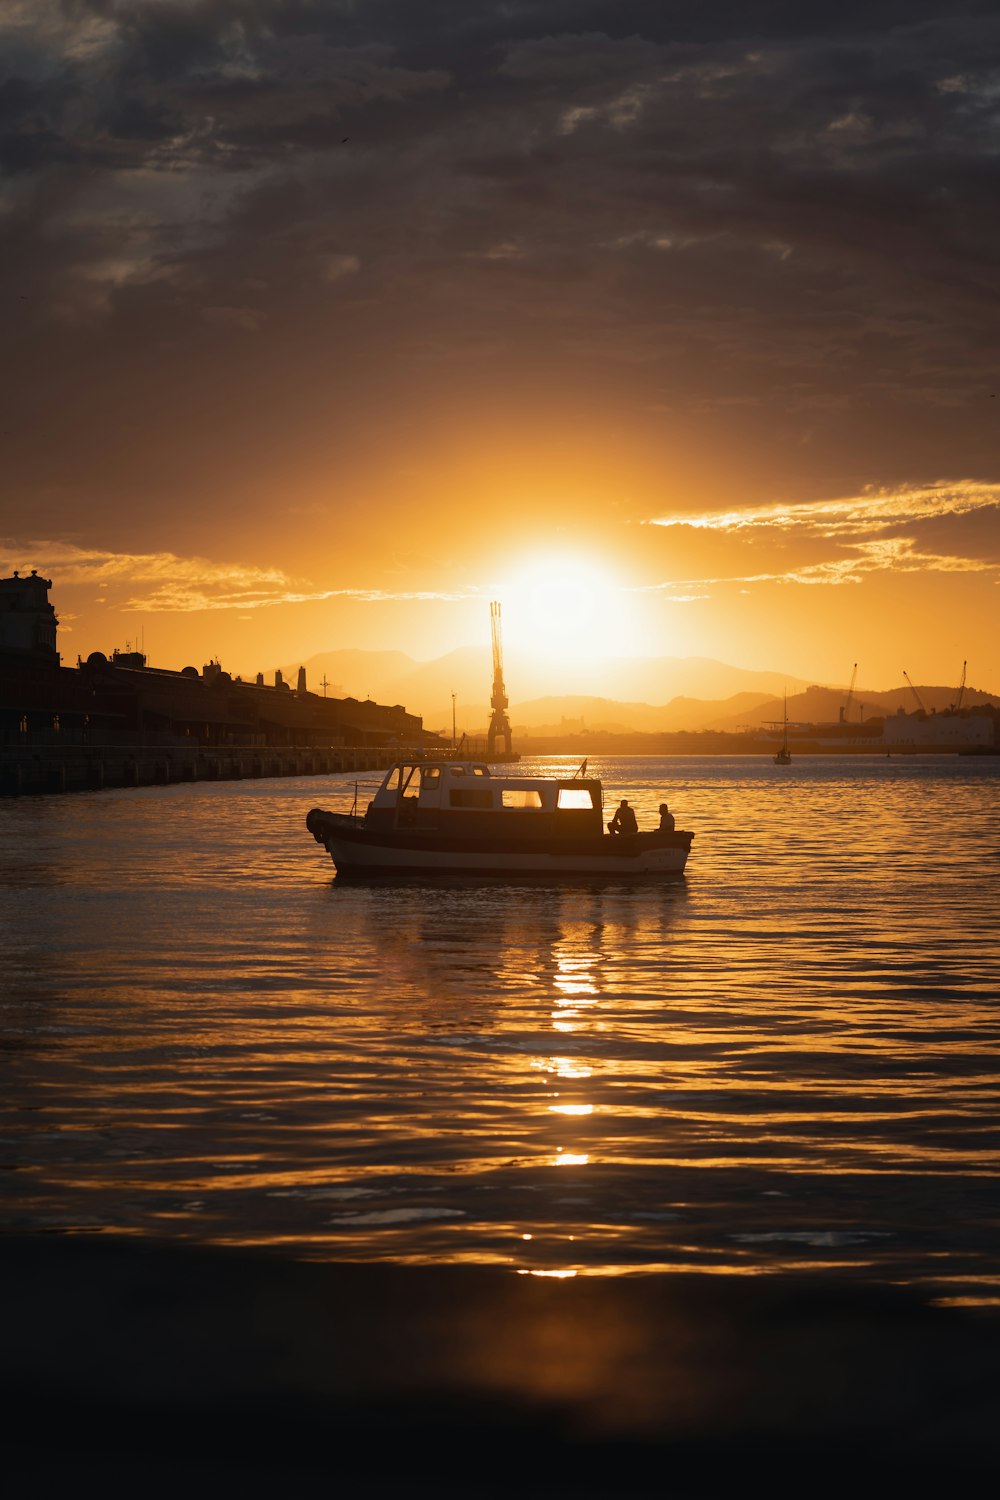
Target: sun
561,605
565,607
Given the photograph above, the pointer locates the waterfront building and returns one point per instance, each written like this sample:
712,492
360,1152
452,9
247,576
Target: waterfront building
120,700
27,619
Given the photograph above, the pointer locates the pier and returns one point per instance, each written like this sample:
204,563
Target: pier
88,768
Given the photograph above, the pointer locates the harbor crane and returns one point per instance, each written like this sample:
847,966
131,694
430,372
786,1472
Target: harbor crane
499,723
961,690
846,710
920,702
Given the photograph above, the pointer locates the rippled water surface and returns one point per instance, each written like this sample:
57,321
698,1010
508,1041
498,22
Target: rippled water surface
787,1058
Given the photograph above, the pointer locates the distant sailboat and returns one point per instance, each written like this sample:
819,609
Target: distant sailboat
783,756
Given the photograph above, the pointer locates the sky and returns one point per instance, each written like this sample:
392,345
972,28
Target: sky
672,326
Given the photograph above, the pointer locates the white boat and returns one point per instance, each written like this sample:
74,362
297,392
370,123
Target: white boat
456,818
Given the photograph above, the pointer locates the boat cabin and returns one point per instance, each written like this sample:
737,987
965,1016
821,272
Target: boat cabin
457,797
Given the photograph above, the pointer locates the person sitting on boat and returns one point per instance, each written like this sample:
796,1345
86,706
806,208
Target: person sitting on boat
667,823
624,820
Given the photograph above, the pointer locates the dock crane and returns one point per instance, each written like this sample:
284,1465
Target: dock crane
961,690
499,723
920,703
846,710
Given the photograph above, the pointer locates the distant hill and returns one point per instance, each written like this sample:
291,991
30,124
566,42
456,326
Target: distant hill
640,694
819,705
426,687
352,674
551,716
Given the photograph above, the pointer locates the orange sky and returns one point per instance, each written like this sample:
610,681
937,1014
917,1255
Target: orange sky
691,316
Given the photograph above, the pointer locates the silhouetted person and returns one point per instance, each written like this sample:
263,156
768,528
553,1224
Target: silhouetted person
623,820
667,823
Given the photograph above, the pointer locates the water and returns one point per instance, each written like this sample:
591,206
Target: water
786,1059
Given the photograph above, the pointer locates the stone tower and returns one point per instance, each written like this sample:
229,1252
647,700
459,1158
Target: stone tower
27,619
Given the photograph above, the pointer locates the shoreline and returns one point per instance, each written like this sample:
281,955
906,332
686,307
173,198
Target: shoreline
743,746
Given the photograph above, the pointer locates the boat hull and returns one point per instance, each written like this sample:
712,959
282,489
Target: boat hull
357,851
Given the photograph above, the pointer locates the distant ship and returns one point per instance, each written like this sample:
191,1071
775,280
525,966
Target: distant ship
897,734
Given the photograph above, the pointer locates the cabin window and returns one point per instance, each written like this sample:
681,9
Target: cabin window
480,771
515,796
576,796
414,779
471,797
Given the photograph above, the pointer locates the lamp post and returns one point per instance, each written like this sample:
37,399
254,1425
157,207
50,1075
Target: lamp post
453,721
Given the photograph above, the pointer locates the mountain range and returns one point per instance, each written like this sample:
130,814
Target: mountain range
622,690
638,694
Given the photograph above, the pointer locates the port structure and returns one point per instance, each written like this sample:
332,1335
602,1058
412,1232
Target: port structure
920,701
846,709
499,723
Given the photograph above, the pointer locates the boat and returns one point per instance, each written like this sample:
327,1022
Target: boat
783,757
446,817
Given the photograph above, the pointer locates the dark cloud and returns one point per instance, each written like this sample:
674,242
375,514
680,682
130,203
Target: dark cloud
774,226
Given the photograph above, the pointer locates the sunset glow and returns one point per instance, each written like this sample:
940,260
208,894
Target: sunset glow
500,744
348,339
568,608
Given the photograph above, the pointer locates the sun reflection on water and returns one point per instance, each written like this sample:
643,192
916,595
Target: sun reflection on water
575,982
788,1053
